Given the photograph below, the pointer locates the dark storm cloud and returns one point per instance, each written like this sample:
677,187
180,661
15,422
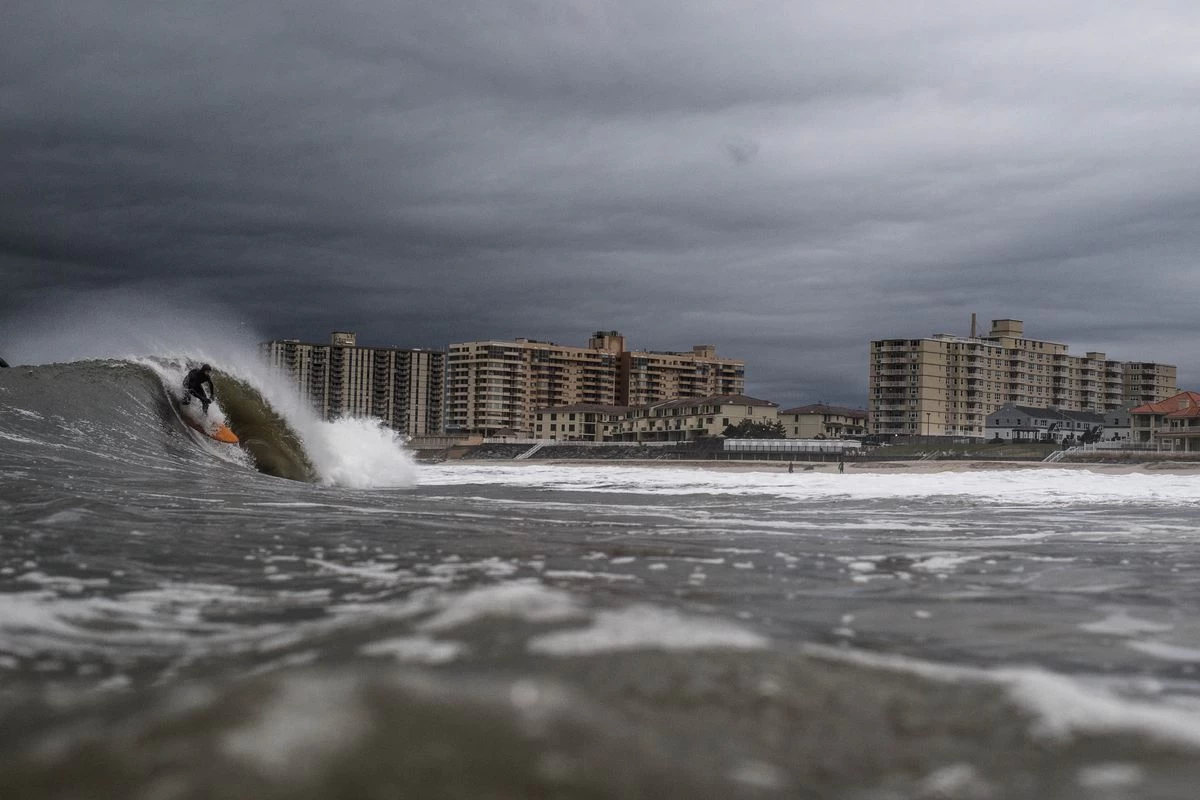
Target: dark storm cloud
784,180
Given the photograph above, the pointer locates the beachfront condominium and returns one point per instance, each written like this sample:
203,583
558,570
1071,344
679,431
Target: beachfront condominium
946,385
403,388
496,386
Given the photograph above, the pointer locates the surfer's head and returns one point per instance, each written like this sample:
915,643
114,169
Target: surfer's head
205,368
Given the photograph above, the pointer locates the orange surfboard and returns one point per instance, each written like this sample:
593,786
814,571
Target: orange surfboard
223,434
220,433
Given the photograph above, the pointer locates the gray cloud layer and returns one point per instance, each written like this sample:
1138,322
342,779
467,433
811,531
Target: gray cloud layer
786,180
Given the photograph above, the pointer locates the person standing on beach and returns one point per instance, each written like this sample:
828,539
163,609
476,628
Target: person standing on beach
791,467
841,465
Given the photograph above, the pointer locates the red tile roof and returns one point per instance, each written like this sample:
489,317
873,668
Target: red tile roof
1171,406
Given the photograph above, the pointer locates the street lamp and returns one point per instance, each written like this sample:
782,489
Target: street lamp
928,430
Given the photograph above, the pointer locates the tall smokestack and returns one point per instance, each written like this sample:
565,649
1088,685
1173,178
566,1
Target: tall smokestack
972,324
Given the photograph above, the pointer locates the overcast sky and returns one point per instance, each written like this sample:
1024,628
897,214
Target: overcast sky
785,179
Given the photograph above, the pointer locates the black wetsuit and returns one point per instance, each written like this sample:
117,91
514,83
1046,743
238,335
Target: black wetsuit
194,383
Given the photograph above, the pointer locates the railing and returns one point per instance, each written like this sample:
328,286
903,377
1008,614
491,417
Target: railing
790,445
1137,447
1105,447
530,451
570,442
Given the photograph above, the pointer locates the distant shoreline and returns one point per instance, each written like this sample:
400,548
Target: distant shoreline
915,467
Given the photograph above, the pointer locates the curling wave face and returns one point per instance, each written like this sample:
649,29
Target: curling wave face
97,412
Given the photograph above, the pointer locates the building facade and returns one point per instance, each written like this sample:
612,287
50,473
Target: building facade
821,421
401,388
497,386
681,420
946,385
691,418
1173,423
648,376
1014,423
579,423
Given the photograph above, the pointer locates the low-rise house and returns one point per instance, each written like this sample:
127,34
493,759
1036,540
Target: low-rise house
694,417
581,422
1174,422
681,420
1118,424
821,421
1014,423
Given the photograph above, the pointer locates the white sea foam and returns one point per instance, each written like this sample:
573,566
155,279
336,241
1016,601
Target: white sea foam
32,611
1121,624
12,437
582,574
525,600
1167,652
307,722
1109,776
942,562
645,627
415,649
1061,707
1022,487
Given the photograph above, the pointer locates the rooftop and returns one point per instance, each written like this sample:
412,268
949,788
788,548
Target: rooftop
824,408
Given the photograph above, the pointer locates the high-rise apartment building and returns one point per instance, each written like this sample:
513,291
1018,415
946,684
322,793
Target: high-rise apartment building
946,385
498,385
402,388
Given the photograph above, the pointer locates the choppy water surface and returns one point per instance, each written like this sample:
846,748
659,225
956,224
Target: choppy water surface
175,624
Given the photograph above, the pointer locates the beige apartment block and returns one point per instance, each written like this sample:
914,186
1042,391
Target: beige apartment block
579,423
821,421
686,419
400,387
648,376
497,386
946,385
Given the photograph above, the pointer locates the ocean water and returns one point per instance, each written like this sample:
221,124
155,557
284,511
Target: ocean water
176,623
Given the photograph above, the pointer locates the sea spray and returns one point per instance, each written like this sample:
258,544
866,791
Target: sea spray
360,453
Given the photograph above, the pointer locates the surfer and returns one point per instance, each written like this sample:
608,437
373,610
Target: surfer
194,383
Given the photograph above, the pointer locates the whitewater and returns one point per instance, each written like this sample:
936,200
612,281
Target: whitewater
179,620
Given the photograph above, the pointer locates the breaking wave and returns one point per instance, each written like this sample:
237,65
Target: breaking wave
107,411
